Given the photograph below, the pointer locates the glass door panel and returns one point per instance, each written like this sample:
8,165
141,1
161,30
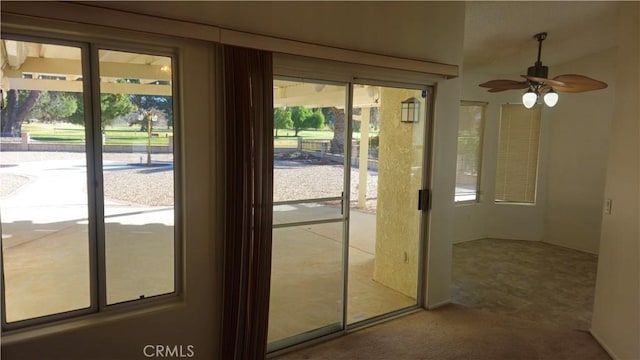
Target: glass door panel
384,220
43,182
307,275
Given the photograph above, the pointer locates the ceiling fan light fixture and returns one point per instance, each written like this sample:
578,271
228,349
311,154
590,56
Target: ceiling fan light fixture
551,98
529,99
537,82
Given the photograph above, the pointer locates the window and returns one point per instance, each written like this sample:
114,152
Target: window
87,196
518,144
470,129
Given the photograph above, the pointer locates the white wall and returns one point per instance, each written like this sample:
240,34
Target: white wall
441,225
488,219
616,310
420,30
579,137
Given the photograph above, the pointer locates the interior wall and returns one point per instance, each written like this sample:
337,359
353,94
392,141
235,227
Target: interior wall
487,218
616,311
572,163
579,139
417,30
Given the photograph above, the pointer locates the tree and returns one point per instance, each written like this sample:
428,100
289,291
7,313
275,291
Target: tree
114,105
19,104
337,143
299,115
54,106
162,104
328,117
315,121
111,105
282,119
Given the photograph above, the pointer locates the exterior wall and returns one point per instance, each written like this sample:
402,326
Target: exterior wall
616,310
399,178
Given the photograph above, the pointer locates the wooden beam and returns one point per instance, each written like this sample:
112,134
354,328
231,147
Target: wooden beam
71,67
317,95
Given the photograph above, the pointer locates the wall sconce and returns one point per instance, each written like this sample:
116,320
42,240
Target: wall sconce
410,110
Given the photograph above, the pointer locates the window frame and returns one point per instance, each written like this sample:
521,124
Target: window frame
483,124
90,47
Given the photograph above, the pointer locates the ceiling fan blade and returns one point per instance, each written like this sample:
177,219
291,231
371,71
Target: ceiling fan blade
577,83
546,81
502,85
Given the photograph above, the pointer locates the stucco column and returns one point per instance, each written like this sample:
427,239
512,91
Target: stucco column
364,157
399,178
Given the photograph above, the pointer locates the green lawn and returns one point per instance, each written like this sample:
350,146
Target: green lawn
305,134
65,133
286,138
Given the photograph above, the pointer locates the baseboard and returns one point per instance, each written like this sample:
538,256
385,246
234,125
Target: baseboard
440,304
459,241
604,346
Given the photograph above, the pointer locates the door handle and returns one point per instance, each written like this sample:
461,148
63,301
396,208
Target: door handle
424,199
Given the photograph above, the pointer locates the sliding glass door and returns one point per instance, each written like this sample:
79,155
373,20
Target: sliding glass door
307,275
348,174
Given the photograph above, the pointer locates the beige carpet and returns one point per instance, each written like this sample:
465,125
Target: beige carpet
458,332
528,280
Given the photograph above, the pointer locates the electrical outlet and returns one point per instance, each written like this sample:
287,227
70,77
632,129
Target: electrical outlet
607,206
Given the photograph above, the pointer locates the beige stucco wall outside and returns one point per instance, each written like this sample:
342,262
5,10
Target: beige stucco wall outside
399,178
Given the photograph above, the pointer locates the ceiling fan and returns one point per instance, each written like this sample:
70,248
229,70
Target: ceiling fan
538,83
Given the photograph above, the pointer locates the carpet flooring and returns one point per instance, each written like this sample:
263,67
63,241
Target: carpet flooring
527,280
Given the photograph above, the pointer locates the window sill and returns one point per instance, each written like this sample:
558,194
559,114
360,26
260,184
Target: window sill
34,332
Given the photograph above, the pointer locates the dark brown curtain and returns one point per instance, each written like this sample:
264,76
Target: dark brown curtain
248,114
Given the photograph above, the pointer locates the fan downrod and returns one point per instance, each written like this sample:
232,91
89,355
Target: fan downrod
538,70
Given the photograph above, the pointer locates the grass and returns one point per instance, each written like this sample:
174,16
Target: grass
65,133
305,134
287,138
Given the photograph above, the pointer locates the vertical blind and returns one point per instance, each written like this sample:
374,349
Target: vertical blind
518,144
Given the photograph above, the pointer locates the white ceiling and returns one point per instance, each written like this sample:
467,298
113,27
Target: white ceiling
499,34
